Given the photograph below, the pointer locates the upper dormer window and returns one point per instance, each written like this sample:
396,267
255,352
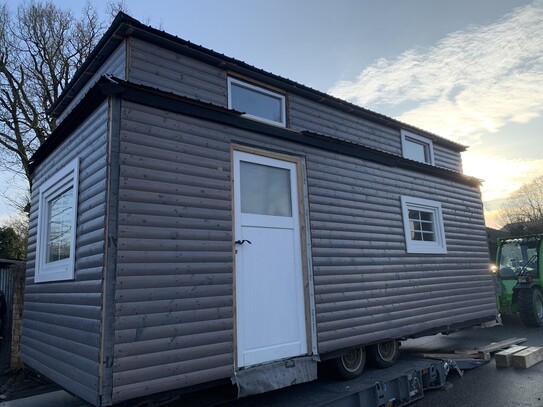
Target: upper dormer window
417,148
256,102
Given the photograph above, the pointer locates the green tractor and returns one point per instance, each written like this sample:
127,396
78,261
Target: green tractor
520,278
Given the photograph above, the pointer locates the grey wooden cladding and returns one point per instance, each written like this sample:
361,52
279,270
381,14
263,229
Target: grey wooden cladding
176,73
79,382
61,324
169,371
174,272
180,305
157,334
363,277
175,250
174,379
308,115
445,158
115,65
172,293
164,69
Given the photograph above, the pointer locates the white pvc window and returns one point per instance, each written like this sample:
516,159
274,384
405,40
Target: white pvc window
256,102
423,226
417,148
57,218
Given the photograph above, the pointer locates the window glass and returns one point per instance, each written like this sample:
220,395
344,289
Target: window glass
60,213
423,226
56,232
265,190
417,148
256,102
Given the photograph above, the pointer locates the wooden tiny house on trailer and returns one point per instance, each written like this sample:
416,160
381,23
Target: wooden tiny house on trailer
196,219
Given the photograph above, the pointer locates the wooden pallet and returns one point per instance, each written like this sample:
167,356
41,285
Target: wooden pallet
496,346
455,355
482,354
505,357
528,357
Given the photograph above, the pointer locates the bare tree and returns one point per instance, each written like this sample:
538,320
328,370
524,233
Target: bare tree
114,7
523,211
41,47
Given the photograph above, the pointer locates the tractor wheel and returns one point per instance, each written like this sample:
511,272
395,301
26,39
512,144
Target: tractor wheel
384,354
351,365
530,306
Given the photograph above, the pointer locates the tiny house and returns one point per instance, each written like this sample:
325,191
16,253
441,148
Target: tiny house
196,220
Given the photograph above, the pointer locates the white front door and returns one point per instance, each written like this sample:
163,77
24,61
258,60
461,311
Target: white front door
269,289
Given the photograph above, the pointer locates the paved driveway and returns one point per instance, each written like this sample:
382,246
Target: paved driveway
485,385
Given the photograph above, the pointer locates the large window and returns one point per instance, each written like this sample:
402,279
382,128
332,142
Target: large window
57,216
256,102
423,226
417,148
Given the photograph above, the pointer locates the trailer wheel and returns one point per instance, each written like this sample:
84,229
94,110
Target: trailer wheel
351,365
530,306
384,354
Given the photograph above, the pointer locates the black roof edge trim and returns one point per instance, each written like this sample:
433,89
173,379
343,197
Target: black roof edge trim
171,102
105,87
89,103
115,33
124,25
159,99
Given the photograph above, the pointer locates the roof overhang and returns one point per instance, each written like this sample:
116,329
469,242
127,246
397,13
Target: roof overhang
125,26
114,87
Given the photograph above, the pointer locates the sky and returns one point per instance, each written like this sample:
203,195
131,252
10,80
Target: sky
470,71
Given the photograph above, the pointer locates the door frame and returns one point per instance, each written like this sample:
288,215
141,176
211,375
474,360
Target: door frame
305,243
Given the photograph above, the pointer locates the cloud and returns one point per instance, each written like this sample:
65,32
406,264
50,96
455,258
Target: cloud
501,178
500,175
470,83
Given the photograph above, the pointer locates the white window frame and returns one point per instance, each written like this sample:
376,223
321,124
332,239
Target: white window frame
264,91
439,246
66,177
406,135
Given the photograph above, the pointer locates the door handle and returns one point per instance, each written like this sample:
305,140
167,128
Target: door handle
240,242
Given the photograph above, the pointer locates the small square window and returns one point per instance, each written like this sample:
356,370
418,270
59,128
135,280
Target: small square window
57,217
423,226
417,148
256,102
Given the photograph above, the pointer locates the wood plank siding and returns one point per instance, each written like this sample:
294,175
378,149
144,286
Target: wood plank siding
173,72
114,65
308,115
174,276
174,317
61,326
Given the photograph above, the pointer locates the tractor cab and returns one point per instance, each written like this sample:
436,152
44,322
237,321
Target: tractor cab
519,276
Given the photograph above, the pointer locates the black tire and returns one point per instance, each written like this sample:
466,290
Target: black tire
384,354
351,365
530,306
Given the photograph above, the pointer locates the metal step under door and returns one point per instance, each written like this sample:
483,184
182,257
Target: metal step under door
399,385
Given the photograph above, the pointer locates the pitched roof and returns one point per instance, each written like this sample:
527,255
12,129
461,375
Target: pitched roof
108,86
125,26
